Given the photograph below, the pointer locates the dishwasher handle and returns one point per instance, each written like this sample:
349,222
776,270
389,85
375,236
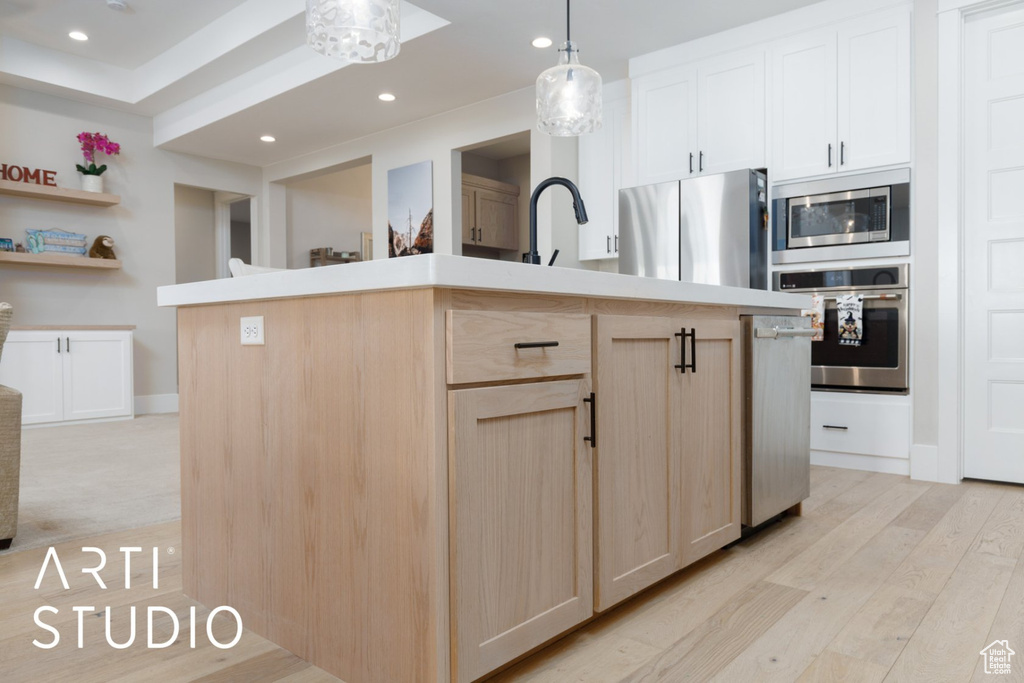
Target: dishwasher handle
782,332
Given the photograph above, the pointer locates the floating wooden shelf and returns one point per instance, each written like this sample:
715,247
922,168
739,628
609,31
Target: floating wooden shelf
57,194
58,261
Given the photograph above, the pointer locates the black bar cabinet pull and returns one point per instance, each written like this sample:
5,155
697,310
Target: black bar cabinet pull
683,365
535,345
593,420
701,168
842,153
834,427
830,155
67,344
609,241
691,162
58,344
616,244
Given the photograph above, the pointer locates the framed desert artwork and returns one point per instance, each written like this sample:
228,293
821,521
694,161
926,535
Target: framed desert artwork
411,210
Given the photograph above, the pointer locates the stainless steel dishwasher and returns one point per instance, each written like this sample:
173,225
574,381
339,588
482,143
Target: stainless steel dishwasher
777,424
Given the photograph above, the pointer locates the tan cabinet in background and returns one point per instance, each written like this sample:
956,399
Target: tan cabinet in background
668,455
490,213
521,519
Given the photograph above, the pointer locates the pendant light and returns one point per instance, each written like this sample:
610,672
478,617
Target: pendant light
569,94
357,31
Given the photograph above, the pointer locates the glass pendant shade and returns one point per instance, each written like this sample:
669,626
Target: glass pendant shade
569,96
354,30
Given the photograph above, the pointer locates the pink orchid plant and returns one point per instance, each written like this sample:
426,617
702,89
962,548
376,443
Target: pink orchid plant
92,144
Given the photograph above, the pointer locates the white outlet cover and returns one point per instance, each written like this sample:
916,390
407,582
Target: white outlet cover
252,331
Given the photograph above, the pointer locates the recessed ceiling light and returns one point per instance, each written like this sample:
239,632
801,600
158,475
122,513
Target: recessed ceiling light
78,35
386,97
541,42
268,138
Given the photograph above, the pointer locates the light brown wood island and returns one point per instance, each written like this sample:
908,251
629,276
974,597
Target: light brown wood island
435,465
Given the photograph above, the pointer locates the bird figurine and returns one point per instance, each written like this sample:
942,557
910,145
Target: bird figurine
103,247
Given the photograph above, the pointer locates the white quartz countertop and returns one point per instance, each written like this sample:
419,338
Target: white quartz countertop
458,272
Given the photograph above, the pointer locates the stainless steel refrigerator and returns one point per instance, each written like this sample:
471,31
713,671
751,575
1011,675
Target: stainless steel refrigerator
711,229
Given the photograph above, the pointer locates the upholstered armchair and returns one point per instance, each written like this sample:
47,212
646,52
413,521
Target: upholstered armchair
10,446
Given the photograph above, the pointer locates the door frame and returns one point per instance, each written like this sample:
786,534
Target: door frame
952,17
222,202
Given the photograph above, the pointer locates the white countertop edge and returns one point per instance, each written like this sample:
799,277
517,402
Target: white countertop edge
457,272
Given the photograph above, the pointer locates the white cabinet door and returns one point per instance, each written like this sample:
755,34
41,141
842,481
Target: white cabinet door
32,363
804,110
874,92
97,375
731,122
665,116
603,160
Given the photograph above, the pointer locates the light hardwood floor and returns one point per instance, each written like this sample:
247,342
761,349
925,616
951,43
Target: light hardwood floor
882,579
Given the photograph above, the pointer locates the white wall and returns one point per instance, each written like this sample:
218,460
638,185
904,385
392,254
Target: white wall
434,139
142,225
330,210
194,235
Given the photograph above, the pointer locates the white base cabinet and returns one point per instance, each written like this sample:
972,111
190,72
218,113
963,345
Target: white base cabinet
70,375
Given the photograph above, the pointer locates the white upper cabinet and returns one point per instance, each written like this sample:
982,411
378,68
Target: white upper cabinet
665,115
604,169
708,118
874,92
842,98
804,112
730,123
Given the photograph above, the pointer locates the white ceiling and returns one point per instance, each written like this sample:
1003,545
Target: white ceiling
217,74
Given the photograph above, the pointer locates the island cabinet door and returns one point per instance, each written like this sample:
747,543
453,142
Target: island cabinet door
521,519
707,418
637,457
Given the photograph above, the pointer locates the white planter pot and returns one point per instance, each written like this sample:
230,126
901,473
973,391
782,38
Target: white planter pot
92,183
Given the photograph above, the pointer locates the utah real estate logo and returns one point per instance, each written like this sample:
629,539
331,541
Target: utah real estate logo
997,657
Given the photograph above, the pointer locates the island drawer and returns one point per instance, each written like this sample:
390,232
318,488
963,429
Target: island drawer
491,346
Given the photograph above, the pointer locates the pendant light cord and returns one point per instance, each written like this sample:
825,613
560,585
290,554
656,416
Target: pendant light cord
567,24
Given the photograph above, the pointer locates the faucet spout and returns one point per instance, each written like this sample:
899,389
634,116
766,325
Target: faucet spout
577,206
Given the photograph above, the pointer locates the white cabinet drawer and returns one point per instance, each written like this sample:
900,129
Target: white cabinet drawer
860,424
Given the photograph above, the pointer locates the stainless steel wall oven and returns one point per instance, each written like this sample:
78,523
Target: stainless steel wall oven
879,364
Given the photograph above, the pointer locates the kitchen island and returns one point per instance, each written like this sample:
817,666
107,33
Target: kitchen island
435,464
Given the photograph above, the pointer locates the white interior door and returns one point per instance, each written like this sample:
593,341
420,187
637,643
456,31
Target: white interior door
97,375
732,113
32,363
994,246
804,119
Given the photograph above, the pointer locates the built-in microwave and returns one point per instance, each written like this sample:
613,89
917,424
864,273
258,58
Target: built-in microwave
841,218
824,220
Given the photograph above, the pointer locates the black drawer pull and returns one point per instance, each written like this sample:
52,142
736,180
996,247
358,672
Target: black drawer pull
593,420
842,429
536,345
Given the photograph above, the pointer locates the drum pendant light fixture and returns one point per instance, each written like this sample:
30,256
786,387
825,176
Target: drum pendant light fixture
568,94
357,31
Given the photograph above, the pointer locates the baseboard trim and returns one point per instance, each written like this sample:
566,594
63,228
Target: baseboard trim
924,464
156,403
867,463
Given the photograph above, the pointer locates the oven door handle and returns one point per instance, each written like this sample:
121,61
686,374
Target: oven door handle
871,297
780,332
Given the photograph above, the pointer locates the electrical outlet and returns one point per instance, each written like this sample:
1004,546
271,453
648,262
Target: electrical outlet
252,331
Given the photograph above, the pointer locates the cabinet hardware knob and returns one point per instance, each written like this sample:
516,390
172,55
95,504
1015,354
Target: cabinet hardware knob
683,365
536,345
593,420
